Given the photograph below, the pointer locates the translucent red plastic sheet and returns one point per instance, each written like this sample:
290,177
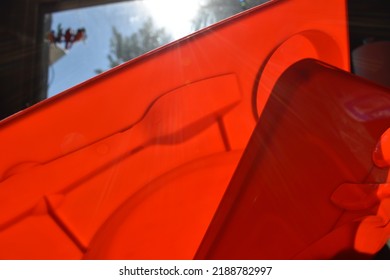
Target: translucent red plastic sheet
134,163
307,186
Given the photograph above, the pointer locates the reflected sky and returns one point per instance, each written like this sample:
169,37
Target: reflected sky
84,59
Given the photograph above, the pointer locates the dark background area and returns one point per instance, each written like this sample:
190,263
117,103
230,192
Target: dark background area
23,70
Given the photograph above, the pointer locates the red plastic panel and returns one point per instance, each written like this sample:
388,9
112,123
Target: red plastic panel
149,132
38,235
183,122
167,219
316,134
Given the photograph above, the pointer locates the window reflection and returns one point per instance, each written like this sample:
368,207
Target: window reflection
82,43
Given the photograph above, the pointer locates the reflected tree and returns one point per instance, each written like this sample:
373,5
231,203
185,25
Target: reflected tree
149,37
212,11
124,48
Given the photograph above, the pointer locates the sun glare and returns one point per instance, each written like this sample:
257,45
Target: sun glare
174,15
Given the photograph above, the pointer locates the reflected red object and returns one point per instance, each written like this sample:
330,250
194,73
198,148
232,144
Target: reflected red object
135,163
381,154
